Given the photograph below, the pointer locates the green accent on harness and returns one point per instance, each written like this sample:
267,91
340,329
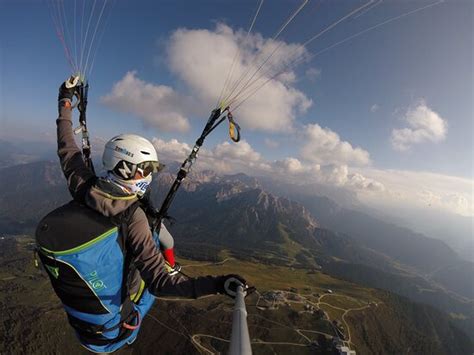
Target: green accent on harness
53,271
83,246
112,197
136,296
96,283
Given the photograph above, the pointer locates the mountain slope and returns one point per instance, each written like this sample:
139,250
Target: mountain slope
426,256
291,307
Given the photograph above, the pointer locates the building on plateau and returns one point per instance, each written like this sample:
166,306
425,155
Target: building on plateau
344,350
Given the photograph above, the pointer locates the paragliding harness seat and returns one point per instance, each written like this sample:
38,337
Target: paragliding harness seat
86,258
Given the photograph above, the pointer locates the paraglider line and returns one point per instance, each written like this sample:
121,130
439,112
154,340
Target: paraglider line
93,36
237,54
86,35
311,56
282,28
375,27
68,34
250,84
368,9
101,35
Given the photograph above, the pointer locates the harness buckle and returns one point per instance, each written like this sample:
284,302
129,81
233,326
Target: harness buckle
133,327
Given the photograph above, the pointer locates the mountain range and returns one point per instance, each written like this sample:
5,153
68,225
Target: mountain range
241,216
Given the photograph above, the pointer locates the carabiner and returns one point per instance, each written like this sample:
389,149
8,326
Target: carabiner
234,128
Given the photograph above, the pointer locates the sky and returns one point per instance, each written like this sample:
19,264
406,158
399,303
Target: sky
380,103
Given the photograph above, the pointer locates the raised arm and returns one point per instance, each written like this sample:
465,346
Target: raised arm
79,177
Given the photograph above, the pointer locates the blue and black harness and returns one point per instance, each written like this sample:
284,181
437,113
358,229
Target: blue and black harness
91,271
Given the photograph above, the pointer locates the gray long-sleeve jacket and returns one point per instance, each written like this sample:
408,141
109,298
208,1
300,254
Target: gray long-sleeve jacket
85,187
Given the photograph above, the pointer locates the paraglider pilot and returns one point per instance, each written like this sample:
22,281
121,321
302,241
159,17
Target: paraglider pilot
102,259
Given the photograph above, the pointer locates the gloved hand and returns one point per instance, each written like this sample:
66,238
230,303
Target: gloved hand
227,285
68,88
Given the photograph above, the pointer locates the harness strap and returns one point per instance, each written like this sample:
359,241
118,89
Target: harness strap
133,327
92,333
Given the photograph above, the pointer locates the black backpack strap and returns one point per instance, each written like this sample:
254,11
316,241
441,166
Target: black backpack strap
123,221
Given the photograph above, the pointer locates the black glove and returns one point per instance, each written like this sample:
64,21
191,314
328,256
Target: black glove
227,285
68,88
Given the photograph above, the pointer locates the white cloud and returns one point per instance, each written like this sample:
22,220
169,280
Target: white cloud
203,58
290,166
364,183
171,150
324,146
335,174
224,158
230,158
342,176
424,125
242,151
156,105
374,108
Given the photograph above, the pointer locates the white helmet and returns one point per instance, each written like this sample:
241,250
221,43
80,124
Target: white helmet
131,159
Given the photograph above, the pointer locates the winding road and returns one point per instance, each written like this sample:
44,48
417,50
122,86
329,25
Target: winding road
304,299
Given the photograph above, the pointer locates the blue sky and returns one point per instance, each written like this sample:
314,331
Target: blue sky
366,89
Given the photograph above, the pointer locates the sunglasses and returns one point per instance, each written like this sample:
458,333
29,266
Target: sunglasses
148,167
138,171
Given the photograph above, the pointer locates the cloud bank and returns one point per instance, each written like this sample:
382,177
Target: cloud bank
229,158
422,190
384,189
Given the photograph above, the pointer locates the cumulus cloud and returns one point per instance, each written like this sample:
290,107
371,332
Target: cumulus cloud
290,166
274,107
202,59
242,151
424,125
231,158
362,182
324,146
171,150
156,105
341,175
224,158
